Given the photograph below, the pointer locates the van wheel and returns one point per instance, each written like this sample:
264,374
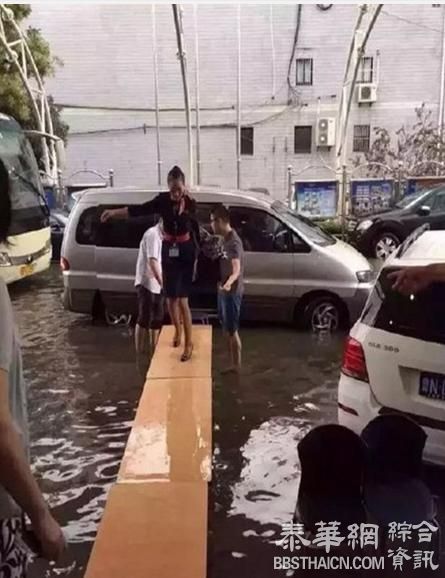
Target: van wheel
322,314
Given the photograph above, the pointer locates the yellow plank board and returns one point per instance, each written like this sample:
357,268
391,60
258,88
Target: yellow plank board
171,438
166,361
154,530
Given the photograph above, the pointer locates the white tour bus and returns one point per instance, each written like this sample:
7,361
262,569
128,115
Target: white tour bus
28,250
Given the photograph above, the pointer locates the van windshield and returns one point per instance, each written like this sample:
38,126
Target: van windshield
306,227
420,316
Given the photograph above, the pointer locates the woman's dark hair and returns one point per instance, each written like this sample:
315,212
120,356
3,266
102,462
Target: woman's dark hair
5,203
176,174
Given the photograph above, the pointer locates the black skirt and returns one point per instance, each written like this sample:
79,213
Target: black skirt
177,271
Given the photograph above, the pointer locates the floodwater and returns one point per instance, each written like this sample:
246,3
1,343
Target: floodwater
84,385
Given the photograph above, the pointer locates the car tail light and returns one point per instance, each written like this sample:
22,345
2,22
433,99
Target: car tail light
64,264
354,362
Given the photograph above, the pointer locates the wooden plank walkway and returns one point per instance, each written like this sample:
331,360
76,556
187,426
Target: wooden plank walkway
166,364
152,530
155,520
171,439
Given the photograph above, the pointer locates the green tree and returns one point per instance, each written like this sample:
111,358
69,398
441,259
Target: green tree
416,149
14,99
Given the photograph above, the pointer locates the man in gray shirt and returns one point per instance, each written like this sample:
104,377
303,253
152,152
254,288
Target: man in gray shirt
230,289
19,492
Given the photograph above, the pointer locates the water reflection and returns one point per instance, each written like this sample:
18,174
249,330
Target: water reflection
288,386
84,387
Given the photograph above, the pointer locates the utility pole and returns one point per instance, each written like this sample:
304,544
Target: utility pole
156,81
197,98
442,91
183,63
238,100
356,52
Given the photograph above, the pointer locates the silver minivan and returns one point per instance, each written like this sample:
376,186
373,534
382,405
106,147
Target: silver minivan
294,272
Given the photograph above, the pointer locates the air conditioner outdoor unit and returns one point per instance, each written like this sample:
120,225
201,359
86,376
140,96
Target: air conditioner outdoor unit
367,93
326,132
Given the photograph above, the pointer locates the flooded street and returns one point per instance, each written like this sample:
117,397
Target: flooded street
83,389
84,385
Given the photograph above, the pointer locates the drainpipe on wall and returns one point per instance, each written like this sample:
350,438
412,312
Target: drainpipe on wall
442,85
156,83
238,100
183,62
197,98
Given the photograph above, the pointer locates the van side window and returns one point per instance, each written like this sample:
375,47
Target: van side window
261,232
203,211
119,234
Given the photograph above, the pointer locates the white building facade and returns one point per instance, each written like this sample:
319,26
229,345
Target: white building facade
293,60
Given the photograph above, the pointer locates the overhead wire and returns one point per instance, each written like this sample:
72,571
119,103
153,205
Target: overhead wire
412,22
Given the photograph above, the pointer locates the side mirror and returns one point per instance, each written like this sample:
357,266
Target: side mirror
424,211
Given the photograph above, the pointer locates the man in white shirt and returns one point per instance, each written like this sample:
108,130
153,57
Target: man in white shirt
148,283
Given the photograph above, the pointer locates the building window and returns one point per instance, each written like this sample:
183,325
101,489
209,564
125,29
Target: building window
304,68
366,70
303,140
362,137
247,140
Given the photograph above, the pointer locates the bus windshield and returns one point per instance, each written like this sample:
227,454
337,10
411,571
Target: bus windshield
29,209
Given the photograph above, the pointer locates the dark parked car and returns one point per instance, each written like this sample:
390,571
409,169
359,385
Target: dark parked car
380,234
57,220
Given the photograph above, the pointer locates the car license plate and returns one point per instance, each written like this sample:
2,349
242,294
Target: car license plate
432,385
26,270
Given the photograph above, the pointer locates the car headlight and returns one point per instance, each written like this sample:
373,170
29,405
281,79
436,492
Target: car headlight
5,261
365,276
364,225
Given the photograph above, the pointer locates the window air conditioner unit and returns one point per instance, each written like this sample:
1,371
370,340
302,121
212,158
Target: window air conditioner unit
367,93
326,132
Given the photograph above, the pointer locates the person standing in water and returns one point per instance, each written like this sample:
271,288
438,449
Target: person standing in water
19,491
179,249
148,283
230,289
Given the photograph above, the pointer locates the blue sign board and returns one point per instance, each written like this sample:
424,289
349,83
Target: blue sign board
371,195
50,197
316,199
418,184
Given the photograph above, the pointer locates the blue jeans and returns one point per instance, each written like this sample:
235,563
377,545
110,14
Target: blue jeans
229,307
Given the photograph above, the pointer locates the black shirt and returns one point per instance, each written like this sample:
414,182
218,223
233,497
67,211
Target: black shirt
177,220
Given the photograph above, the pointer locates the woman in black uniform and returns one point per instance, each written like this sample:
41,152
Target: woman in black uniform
179,249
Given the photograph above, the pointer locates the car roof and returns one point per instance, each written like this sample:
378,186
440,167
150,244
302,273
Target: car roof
429,247
205,194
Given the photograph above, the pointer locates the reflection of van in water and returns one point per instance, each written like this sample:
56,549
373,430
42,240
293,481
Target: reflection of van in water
293,270
29,248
